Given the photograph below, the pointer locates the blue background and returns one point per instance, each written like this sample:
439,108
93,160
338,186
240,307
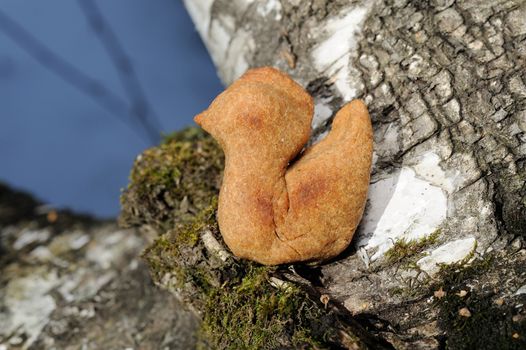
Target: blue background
57,142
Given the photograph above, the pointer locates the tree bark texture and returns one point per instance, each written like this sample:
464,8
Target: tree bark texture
71,282
445,84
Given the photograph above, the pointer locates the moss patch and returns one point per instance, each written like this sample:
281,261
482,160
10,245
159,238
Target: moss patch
490,323
169,253
170,183
404,249
174,188
240,308
252,314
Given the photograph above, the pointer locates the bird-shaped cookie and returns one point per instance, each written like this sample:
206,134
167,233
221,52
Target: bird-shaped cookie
274,208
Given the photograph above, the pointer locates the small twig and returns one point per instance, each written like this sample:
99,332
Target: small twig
67,72
141,108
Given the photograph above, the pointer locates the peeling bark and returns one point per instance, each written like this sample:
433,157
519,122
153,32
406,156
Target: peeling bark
445,83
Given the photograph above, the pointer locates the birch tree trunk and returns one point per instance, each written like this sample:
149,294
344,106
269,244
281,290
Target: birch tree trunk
439,260
445,83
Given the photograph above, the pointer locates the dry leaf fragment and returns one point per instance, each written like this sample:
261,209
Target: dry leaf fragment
517,318
464,312
462,293
439,293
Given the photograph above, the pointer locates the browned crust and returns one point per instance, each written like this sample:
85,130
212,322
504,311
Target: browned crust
272,213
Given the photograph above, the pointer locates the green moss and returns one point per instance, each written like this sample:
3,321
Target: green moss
164,255
490,325
170,183
205,218
252,314
464,270
240,308
174,188
404,249
190,134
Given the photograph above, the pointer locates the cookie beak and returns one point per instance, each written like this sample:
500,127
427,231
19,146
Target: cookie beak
198,119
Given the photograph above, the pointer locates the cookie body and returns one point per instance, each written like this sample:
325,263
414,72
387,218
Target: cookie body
273,212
